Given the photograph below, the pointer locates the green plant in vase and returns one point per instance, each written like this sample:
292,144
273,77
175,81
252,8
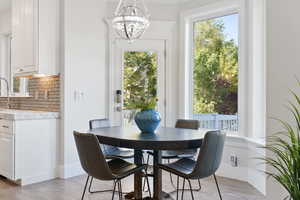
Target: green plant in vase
146,104
285,146
148,118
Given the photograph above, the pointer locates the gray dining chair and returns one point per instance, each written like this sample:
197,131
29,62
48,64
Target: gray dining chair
110,152
96,166
207,163
177,154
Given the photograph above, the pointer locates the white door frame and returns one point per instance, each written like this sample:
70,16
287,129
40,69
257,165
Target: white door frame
158,30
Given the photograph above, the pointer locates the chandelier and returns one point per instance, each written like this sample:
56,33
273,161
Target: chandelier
131,19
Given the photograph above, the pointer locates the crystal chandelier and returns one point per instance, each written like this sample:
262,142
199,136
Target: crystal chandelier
131,19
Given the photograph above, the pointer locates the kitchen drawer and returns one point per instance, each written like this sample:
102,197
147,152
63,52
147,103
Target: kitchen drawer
6,126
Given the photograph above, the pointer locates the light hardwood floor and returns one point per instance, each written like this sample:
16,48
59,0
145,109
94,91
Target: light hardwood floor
71,189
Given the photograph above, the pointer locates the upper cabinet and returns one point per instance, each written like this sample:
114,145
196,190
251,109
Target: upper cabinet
35,37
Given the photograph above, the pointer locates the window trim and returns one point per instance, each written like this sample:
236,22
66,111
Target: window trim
188,19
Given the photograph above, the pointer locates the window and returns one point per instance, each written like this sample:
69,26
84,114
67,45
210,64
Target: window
215,58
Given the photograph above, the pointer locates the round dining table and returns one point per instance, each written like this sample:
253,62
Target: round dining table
163,139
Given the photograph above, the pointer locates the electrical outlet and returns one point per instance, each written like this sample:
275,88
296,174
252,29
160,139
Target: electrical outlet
234,161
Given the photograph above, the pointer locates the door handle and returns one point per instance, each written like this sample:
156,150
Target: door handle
5,126
119,96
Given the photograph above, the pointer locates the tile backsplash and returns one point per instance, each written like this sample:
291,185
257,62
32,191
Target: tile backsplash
44,96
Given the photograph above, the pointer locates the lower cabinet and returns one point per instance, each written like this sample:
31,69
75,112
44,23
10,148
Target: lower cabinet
7,155
29,150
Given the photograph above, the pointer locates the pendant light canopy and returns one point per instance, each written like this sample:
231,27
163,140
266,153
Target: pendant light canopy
131,19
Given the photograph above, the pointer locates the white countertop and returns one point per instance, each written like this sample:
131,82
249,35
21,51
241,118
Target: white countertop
10,114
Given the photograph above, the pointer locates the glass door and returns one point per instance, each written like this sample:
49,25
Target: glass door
140,78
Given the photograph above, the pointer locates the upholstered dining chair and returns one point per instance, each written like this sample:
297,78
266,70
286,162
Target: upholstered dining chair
95,165
110,152
172,154
206,165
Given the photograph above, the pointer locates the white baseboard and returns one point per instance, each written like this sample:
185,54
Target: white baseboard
252,176
70,170
237,173
46,176
257,179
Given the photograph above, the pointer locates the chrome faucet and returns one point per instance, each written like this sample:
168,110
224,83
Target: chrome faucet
7,88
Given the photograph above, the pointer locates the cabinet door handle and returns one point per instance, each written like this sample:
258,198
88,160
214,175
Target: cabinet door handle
5,126
20,70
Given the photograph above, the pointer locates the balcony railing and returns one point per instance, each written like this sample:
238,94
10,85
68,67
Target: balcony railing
218,121
209,121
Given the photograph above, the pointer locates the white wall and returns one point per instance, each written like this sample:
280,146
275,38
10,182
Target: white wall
158,12
5,22
197,3
84,74
5,28
283,64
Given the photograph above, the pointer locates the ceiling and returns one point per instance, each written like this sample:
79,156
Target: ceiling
4,5
164,2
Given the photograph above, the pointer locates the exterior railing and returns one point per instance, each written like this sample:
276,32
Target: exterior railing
128,117
209,121
218,121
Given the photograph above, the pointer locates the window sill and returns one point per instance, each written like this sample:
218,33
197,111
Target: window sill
232,136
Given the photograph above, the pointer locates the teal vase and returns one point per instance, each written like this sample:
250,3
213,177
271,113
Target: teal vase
147,120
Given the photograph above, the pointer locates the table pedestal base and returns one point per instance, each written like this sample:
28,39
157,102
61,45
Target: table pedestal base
165,196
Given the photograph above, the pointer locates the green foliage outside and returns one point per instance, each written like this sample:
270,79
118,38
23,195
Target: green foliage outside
215,69
215,73
140,80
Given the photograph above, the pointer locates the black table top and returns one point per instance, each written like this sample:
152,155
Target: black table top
163,139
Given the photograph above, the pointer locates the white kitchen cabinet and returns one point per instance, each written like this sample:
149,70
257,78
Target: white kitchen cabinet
35,37
7,155
28,146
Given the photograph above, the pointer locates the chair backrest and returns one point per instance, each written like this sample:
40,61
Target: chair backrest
102,123
188,124
210,156
99,123
91,157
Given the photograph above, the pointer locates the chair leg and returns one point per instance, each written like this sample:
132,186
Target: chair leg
146,171
177,191
183,184
218,186
191,189
197,189
91,185
171,177
85,186
100,191
114,190
120,190
148,185
200,187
